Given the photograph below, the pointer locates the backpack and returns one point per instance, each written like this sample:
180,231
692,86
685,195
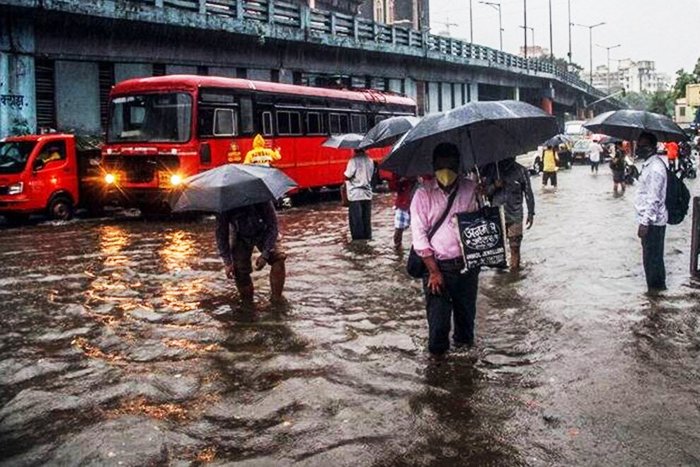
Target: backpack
677,198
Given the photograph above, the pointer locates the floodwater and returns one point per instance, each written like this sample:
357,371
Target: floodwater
122,343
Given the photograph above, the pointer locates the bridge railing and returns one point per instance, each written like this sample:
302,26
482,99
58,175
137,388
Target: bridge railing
317,23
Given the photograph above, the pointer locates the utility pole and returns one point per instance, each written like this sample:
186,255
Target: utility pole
471,23
551,34
532,30
570,24
608,49
525,23
497,6
590,45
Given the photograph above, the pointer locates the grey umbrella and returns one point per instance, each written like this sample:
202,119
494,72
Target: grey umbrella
557,140
231,186
629,124
388,131
344,141
484,132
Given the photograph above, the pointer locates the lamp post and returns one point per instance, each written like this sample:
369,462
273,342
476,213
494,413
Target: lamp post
532,29
551,35
471,23
590,44
608,49
570,24
497,6
525,27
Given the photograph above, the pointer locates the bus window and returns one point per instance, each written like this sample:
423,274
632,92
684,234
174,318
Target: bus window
359,124
288,123
225,123
314,124
339,124
247,124
267,123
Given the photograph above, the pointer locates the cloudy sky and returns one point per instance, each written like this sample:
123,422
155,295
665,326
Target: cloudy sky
666,31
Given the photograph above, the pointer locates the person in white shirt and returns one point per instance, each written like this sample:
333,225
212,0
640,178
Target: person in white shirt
594,150
652,215
358,176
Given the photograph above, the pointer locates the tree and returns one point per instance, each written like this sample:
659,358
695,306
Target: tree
683,79
562,64
637,100
661,102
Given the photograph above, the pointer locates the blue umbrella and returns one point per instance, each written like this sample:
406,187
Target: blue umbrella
231,186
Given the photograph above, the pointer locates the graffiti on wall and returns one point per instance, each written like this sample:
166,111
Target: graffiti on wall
13,101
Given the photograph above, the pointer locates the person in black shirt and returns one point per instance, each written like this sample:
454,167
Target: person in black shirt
240,230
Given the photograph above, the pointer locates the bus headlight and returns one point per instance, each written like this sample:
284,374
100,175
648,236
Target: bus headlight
15,189
175,180
110,179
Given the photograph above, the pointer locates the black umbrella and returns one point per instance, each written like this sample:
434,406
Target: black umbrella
557,140
344,141
388,131
629,124
609,140
484,132
231,186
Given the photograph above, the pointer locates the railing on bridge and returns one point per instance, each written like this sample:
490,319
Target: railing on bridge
318,23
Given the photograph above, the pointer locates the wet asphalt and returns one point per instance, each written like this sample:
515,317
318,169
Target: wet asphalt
122,343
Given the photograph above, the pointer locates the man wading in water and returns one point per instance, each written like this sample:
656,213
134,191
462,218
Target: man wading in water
447,290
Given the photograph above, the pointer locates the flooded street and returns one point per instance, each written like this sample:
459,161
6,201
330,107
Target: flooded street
123,343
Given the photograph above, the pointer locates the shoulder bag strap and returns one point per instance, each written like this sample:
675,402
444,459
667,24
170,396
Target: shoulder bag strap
443,216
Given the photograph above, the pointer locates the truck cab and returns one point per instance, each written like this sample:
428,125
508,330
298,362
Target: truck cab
44,174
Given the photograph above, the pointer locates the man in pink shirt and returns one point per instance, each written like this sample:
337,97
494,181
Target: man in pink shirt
447,289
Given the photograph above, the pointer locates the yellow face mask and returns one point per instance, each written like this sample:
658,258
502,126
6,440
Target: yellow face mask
445,177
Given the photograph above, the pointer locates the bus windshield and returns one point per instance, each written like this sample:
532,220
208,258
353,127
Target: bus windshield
14,156
150,118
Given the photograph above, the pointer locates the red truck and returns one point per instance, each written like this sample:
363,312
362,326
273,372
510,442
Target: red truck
49,174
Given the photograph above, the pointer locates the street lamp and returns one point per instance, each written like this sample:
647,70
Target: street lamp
532,29
608,49
497,6
471,23
570,24
525,23
590,44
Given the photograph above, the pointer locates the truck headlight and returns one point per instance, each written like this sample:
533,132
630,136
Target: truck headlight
175,180
15,189
110,179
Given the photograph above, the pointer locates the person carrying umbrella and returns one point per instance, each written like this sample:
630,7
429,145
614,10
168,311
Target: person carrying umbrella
238,232
550,161
242,198
507,184
358,175
447,290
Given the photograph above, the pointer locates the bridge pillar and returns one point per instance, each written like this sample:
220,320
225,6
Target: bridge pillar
473,92
546,105
18,96
516,93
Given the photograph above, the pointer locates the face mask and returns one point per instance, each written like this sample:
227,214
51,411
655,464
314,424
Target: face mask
445,177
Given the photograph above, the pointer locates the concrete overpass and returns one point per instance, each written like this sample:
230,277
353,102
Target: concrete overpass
58,58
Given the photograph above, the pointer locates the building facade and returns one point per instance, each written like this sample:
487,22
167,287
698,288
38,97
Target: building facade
640,76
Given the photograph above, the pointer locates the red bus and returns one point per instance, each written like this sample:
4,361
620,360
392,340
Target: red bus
163,129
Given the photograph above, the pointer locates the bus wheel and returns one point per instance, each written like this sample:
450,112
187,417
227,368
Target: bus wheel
60,208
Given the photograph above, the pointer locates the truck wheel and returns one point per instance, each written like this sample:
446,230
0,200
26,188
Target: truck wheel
60,208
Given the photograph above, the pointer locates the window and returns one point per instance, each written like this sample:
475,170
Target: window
359,124
52,151
267,123
314,124
339,123
150,117
225,123
247,124
681,111
288,123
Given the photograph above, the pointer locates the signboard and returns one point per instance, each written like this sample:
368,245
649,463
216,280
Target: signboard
692,95
483,239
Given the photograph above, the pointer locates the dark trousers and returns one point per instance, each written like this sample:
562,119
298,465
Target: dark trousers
594,166
458,300
360,218
653,257
551,176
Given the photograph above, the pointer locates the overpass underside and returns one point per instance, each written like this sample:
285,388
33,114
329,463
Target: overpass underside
58,66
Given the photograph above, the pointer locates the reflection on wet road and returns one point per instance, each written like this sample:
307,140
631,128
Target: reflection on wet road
123,342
